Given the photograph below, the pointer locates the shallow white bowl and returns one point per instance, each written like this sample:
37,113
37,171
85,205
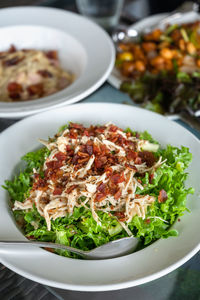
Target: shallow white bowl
148,264
83,48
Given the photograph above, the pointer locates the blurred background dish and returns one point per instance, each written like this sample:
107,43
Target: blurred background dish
73,37
140,73
30,73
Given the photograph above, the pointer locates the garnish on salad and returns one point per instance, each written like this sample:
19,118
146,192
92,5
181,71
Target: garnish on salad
161,70
92,185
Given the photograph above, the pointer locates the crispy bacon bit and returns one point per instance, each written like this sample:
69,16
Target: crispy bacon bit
45,73
99,197
108,171
14,89
73,134
162,197
71,188
40,184
86,132
83,160
102,188
121,141
113,128
100,161
151,177
117,195
114,140
57,191
60,156
68,147
76,125
54,164
130,167
82,148
138,160
96,149
117,178
147,157
53,54
13,61
36,89
36,176
104,150
70,151
120,215
89,149
131,144
83,154
132,155
75,159
99,129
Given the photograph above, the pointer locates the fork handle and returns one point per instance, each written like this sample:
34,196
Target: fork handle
44,245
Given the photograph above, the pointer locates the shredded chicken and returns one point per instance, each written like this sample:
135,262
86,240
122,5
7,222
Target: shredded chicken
96,167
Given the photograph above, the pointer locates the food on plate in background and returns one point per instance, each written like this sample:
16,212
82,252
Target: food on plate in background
165,92
92,185
178,46
162,68
29,74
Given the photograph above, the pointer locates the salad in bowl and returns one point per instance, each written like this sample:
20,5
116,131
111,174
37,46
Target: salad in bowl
90,185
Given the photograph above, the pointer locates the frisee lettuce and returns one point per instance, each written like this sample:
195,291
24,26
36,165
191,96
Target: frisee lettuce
80,230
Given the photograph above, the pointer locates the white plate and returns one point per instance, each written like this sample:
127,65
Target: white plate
148,264
83,47
115,78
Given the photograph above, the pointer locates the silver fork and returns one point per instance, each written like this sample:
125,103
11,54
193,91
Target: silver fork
112,249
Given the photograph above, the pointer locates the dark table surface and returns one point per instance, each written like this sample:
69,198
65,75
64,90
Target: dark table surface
180,284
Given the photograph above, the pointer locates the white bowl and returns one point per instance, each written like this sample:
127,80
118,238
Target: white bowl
83,48
154,261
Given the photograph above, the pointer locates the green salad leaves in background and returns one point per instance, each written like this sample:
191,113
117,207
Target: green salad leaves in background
165,92
81,230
